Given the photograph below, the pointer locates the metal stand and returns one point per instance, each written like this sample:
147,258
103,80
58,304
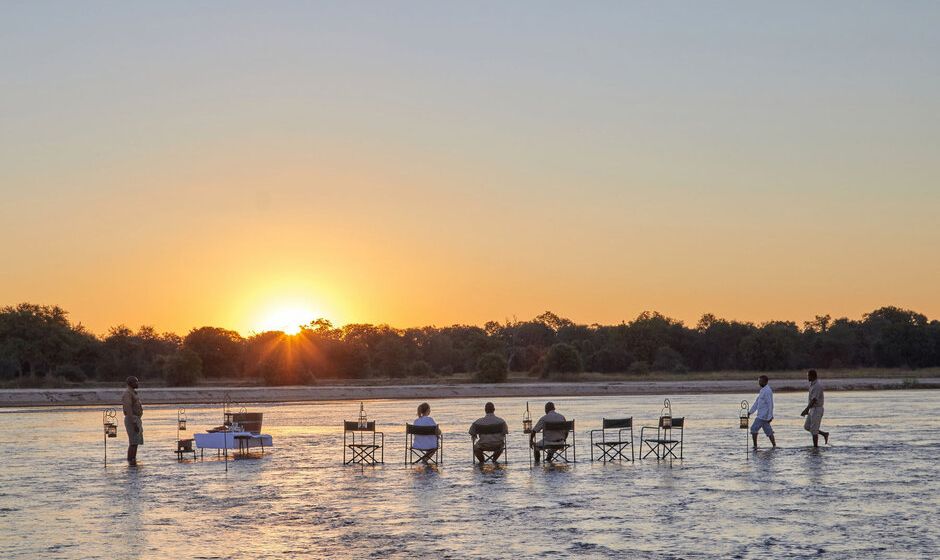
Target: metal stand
108,420
742,424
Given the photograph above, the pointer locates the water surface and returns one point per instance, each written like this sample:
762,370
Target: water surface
873,493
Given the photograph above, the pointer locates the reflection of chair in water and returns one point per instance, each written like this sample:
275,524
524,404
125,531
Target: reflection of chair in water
665,443
489,450
412,454
613,438
558,449
361,448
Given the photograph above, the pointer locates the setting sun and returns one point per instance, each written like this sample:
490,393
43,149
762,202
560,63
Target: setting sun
287,319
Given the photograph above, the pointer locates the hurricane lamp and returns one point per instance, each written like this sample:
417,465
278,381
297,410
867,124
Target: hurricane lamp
665,417
526,421
110,423
743,417
363,420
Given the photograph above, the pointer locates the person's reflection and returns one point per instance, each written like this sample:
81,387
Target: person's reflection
814,466
128,518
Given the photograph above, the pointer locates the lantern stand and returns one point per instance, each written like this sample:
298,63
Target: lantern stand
526,420
183,445
180,422
109,422
742,424
665,416
363,420
226,407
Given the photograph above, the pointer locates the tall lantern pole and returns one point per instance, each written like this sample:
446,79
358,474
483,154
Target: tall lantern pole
109,422
742,424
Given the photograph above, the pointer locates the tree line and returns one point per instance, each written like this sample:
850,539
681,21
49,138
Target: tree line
40,342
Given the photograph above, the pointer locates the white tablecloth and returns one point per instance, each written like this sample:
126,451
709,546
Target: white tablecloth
226,440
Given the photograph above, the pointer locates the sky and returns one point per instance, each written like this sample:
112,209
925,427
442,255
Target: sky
243,164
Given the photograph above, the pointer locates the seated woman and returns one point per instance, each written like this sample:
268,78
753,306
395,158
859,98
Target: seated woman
425,443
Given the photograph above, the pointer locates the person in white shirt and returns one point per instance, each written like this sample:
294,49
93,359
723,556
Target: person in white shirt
764,406
426,443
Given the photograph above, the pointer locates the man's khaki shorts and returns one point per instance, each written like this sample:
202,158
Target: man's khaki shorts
813,419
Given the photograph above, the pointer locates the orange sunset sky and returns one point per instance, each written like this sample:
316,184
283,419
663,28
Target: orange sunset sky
244,166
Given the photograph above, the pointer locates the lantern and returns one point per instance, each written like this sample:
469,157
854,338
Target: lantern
109,421
181,420
363,421
526,420
743,417
665,417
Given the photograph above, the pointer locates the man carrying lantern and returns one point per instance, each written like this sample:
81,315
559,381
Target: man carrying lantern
764,406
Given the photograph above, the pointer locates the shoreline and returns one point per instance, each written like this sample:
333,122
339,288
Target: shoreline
22,398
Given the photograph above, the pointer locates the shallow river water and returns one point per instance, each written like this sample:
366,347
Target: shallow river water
873,494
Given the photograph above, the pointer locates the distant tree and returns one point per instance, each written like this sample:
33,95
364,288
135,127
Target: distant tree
562,358
650,331
553,321
669,360
390,357
38,338
183,369
220,350
532,333
774,346
70,372
898,337
420,369
639,367
492,368
609,360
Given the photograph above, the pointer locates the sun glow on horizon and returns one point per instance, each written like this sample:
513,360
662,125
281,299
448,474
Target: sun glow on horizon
287,319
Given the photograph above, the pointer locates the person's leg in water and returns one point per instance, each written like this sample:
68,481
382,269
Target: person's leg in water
537,452
770,434
825,436
132,454
478,452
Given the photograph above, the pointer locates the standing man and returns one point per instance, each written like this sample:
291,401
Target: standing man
814,410
548,436
490,439
764,406
133,410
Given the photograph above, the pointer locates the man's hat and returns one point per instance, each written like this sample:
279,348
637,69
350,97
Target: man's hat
132,380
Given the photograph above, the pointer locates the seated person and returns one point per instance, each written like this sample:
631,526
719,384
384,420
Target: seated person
548,436
425,443
490,441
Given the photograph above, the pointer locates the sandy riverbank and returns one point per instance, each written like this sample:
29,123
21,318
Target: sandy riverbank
201,395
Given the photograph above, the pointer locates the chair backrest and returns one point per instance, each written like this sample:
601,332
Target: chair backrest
354,426
249,421
678,423
618,423
420,430
566,426
491,428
